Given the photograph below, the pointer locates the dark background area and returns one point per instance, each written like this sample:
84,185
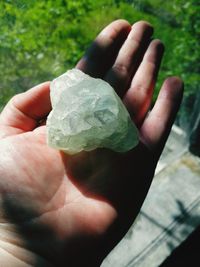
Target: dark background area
187,254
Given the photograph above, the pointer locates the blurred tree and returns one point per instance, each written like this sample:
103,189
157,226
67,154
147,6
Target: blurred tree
178,25
41,39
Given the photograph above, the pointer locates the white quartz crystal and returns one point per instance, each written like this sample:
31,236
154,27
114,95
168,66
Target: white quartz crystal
88,114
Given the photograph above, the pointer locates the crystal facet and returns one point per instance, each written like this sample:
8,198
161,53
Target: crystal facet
88,114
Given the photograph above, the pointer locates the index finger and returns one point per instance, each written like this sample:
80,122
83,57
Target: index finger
103,51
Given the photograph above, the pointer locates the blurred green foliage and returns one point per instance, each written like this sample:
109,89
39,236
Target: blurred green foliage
40,40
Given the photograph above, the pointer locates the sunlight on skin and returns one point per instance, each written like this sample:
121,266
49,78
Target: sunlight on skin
72,210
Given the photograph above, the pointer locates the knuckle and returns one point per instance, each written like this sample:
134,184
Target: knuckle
121,69
14,101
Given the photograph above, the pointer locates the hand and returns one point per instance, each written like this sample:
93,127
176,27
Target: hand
60,210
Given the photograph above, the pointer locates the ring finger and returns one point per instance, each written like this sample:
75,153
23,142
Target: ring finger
139,96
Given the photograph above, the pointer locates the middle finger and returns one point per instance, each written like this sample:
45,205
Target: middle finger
129,57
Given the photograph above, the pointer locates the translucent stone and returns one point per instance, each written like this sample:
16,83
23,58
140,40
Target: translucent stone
88,114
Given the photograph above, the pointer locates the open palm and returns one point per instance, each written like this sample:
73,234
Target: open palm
72,210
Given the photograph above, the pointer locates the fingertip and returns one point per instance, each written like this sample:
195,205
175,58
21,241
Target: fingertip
172,88
155,52
142,22
114,28
38,97
122,21
145,26
159,45
175,81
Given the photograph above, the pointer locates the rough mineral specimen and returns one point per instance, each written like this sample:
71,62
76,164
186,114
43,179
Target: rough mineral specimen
87,114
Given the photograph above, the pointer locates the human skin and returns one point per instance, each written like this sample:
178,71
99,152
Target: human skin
61,210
